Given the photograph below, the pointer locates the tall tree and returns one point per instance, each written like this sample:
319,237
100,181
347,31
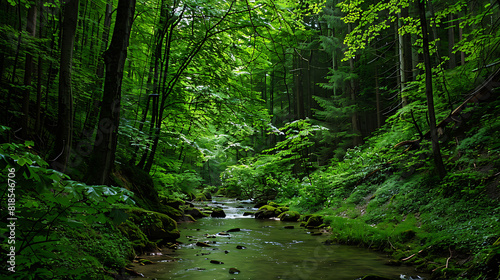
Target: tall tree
28,69
65,99
103,155
428,91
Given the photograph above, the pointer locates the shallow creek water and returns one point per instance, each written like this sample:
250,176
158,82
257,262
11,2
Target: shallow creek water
269,252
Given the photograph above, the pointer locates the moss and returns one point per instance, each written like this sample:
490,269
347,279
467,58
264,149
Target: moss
174,203
156,226
195,212
85,251
267,208
289,216
314,221
173,213
273,204
139,240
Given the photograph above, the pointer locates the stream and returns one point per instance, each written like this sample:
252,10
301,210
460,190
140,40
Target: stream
264,249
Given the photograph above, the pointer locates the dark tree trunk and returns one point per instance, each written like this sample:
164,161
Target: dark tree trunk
65,99
429,94
38,108
451,43
103,155
28,71
92,114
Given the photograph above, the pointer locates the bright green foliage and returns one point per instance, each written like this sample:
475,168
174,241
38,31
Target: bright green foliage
279,170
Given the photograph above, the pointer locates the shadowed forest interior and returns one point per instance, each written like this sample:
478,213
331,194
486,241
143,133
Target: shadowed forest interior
380,119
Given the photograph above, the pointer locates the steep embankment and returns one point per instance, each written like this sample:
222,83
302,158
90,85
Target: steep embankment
449,227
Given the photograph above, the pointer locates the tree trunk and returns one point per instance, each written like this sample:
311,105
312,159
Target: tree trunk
38,108
429,94
377,95
28,71
103,155
65,99
357,140
92,114
404,51
451,43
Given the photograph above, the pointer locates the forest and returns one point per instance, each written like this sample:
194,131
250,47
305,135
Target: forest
374,123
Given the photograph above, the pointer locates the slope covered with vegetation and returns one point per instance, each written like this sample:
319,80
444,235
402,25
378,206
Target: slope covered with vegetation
381,118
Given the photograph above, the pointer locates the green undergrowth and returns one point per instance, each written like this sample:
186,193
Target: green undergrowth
388,199
66,229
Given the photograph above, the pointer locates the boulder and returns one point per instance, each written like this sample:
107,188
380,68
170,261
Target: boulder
218,213
266,212
155,225
202,244
289,216
195,212
314,221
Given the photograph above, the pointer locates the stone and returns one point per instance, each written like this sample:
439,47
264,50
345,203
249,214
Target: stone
233,270
194,212
289,216
240,247
218,213
266,212
314,221
202,244
216,262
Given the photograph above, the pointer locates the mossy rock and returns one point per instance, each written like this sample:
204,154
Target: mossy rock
139,240
273,204
170,211
218,213
289,216
267,208
283,209
314,221
174,203
156,226
267,212
195,212
188,218
306,217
